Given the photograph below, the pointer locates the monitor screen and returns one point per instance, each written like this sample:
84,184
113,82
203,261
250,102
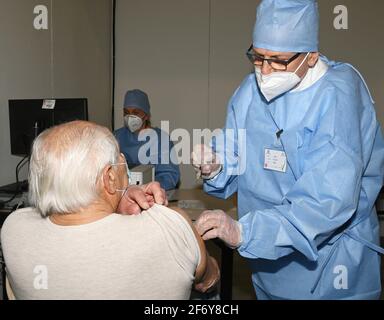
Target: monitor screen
29,117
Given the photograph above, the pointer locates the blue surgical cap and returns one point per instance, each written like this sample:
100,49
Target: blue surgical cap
137,99
287,26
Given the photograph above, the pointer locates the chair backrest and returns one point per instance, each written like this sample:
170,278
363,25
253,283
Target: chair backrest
380,203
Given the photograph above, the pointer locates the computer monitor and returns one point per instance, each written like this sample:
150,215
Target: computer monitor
29,117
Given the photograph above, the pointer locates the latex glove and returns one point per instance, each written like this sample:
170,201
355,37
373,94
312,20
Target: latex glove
138,198
217,224
205,162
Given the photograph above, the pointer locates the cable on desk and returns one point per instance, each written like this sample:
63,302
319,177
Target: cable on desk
18,189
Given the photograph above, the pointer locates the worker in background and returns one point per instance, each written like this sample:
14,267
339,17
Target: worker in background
314,166
137,118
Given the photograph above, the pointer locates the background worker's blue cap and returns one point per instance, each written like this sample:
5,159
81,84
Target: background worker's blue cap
137,99
287,26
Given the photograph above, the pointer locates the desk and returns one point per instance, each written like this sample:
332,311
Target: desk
19,200
194,202
4,213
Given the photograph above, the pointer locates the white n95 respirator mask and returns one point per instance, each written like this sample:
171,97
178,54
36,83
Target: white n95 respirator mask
133,123
276,83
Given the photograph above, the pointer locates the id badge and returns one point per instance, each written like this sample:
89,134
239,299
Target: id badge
275,160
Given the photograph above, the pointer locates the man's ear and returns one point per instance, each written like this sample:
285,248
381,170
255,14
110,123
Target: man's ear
313,58
109,180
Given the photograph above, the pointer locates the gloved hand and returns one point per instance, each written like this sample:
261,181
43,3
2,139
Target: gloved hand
216,224
205,162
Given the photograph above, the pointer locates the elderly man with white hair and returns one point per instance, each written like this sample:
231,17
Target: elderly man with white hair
71,244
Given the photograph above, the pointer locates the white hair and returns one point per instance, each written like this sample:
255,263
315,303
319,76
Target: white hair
66,164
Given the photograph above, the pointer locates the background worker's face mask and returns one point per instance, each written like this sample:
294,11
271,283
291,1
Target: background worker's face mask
277,83
133,123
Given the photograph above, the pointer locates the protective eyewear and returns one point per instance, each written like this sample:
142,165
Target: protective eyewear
276,64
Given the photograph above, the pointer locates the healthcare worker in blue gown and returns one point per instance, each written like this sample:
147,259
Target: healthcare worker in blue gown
159,149
313,166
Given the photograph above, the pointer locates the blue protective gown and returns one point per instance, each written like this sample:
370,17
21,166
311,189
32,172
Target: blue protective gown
305,229
166,173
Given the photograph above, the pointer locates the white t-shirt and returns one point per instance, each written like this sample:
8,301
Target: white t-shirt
153,255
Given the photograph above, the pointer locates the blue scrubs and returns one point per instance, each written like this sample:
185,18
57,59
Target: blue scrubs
167,174
312,232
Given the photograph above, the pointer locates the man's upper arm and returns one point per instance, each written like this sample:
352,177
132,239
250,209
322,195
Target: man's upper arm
201,268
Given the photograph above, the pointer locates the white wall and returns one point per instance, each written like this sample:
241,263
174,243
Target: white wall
24,55
78,40
361,45
189,56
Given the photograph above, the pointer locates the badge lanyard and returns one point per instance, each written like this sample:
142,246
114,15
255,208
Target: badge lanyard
278,135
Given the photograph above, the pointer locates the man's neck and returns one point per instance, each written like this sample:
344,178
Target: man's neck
87,215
